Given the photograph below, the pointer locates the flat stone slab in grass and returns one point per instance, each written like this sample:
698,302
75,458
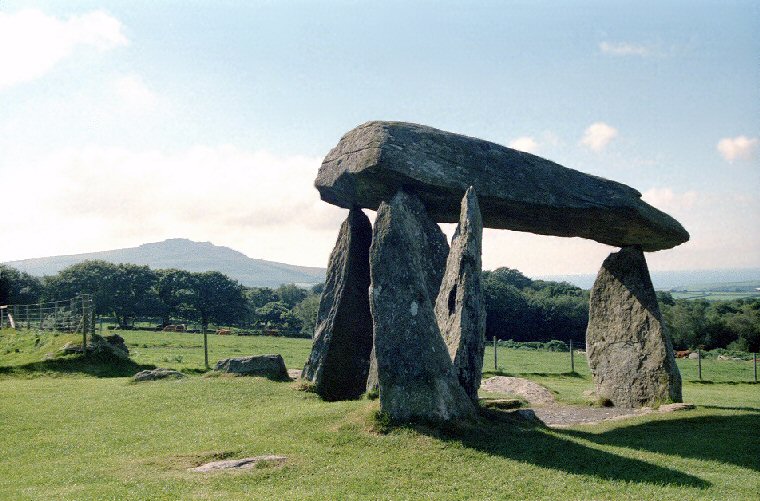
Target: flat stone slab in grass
294,373
238,464
516,190
680,406
269,366
563,416
156,374
530,391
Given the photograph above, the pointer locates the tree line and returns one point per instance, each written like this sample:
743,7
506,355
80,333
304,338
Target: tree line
517,307
128,292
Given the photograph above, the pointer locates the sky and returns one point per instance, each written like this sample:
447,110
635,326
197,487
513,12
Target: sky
123,123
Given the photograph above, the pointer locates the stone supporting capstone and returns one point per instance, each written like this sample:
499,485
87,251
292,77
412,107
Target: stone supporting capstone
339,359
416,377
460,308
628,350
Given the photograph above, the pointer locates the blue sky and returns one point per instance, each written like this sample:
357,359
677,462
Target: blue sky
128,122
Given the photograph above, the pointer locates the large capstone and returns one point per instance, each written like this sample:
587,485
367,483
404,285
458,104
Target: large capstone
516,190
417,380
339,359
629,353
460,308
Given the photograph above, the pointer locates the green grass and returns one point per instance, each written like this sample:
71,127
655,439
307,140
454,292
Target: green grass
77,436
183,351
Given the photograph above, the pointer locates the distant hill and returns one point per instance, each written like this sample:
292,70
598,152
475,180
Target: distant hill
710,280
186,255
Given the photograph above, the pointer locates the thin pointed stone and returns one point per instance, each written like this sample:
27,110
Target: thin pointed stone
460,308
339,359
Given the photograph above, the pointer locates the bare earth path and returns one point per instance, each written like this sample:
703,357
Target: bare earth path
558,415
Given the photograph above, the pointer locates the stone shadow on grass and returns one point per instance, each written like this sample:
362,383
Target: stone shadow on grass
514,438
93,365
725,439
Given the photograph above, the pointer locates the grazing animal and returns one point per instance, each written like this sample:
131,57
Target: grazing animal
683,353
223,332
175,328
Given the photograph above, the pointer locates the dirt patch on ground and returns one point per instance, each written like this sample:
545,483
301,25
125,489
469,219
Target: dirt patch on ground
530,391
557,415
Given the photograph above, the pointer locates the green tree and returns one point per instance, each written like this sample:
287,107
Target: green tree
88,277
291,294
277,314
217,298
133,293
306,313
18,287
174,289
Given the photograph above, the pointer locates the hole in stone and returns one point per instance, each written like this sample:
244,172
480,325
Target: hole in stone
452,300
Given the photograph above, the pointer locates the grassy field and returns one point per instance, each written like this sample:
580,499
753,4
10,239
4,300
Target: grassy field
73,429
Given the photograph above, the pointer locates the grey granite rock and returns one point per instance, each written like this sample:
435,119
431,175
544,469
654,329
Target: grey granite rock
460,307
156,374
269,366
417,381
629,353
339,359
516,190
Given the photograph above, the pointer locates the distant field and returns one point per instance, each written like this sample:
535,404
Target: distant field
722,291
70,435
714,296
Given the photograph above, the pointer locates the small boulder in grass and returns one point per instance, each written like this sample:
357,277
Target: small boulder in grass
239,464
268,366
156,374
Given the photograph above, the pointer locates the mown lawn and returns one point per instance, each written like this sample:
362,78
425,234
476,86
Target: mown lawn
74,432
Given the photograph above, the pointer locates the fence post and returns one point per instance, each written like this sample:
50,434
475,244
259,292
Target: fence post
572,358
205,345
754,360
495,356
84,326
28,324
699,363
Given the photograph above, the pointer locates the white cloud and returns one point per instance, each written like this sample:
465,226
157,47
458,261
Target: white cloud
524,143
740,147
667,200
133,93
32,43
99,198
625,49
598,135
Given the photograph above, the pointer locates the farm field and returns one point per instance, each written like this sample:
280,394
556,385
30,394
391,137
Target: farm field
74,430
714,295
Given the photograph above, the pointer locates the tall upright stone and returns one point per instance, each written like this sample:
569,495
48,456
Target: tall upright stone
629,353
460,308
339,359
417,380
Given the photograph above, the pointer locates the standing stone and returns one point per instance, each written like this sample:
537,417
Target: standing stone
339,359
417,380
460,309
628,350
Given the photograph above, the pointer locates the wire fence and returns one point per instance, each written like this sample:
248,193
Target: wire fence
534,358
72,315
